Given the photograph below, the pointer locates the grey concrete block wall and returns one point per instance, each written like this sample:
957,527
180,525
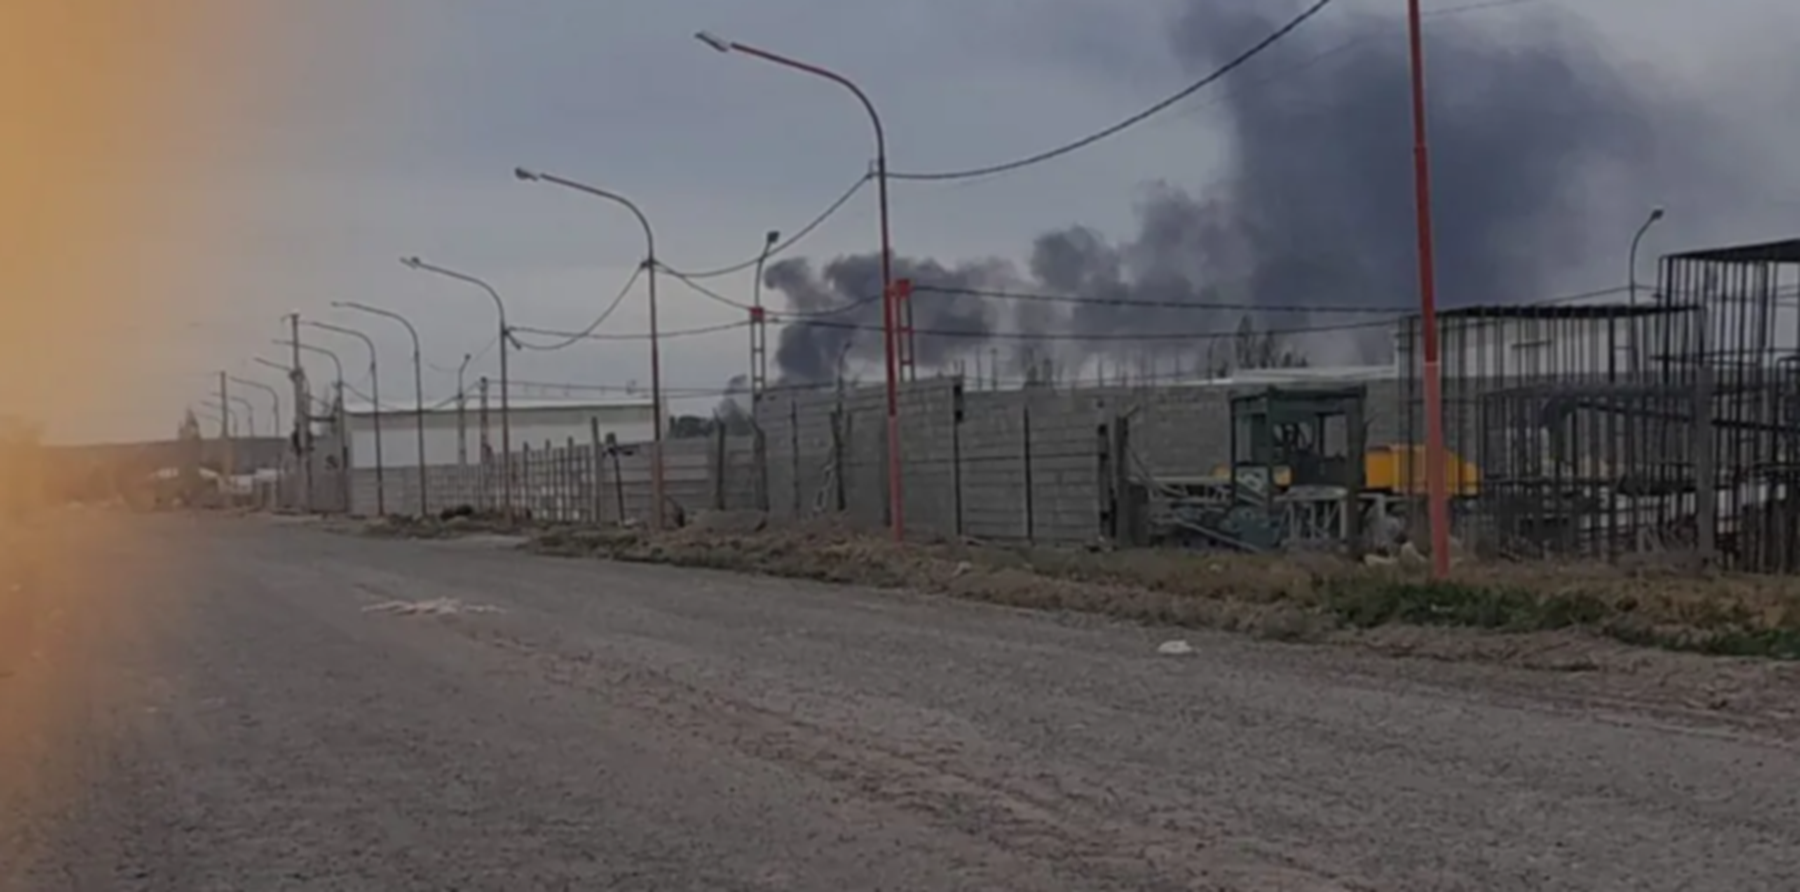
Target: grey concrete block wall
1002,465
991,445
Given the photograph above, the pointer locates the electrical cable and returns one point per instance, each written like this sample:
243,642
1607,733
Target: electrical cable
1195,87
570,339
473,357
1094,335
1273,37
633,336
1151,304
786,314
779,247
704,291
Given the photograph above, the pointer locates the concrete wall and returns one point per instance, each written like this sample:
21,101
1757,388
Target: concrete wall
1006,465
531,425
994,465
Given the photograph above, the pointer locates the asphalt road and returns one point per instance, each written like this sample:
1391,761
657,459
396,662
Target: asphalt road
301,710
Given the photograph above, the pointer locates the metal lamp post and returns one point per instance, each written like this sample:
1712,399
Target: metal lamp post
1631,285
275,398
505,384
1631,267
337,364
889,320
418,392
374,408
656,445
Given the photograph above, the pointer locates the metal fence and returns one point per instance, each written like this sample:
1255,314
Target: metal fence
1665,427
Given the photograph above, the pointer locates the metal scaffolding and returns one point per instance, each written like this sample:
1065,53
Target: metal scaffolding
1670,426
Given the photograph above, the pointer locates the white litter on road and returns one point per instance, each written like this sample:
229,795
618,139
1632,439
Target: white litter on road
431,607
1174,648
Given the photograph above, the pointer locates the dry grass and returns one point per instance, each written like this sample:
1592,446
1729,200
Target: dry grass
1287,597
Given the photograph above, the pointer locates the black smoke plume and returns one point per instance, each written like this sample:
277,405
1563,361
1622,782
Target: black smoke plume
1316,208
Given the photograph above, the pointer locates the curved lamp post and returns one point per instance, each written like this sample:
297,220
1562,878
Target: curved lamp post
374,408
1656,213
656,446
418,392
337,363
275,398
889,315
505,387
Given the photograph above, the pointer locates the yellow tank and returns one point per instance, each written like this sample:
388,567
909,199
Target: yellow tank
1384,468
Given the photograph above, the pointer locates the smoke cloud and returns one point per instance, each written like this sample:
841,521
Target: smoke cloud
1316,208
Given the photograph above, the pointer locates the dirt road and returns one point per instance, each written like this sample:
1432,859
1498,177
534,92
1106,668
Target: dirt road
299,710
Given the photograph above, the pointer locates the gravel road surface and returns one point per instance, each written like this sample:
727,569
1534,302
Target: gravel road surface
301,710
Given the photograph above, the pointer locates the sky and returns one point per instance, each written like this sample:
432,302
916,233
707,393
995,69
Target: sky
346,134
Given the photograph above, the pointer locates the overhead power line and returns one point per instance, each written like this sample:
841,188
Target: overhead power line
631,336
573,338
1095,335
1273,38
792,240
716,297
1080,300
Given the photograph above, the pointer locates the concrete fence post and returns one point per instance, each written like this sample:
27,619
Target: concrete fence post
759,460
1030,484
841,429
571,484
956,467
547,481
596,470
794,452
718,466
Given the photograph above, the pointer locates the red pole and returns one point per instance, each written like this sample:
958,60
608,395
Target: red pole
1437,498
890,313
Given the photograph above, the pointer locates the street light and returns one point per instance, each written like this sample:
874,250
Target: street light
656,446
1656,213
759,332
418,390
374,408
505,388
337,362
228,416
888,311
249,414
287,372
275,398
462,411
338,420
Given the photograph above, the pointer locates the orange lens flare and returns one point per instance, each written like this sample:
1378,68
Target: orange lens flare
103,237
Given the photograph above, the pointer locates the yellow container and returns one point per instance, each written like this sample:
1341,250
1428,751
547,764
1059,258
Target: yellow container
1399,468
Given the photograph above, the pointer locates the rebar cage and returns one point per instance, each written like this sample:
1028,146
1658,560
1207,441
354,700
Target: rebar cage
1669,424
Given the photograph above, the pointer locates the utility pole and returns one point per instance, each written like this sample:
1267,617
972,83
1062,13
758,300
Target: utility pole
226,465
462,415
374,410
483,439
1436,487
302,412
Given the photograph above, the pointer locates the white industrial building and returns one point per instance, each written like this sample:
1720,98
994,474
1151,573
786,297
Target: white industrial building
455,435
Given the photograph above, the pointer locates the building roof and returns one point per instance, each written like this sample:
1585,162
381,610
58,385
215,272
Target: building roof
1785,251
357,410
1560,311
1305,375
